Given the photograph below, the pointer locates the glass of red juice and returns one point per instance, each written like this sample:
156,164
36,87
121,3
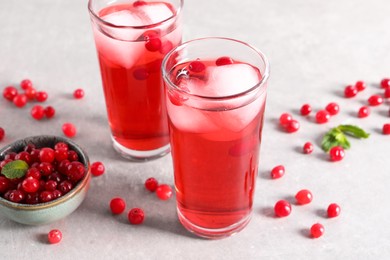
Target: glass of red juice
132,38
215,95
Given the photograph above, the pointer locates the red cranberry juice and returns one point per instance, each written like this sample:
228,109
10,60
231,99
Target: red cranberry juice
131,75
215,151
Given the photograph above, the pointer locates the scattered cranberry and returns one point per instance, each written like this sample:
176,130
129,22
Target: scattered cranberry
117,205
364,111
221,61
385,83
10,93
26,84
333,108
387,92
322,116
333,210
30,93
97,168
141,74
30,184
317,230
350,91
278,172
151,184
306,109
164,192
282,208
197,66
292,126
54,236
2,133
69,129
360,85
386,129
308,147
37,112
375,100
285,118
49,111
336,153
78,93
20,100
41,96
304,197
136,216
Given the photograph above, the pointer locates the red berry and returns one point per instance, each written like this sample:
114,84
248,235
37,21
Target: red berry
336,153
72,156
41,96
65,187
46,168
333,108
360,85
78,93
317,230
364,111
164,192
278,172
24,156
37,112
61,154
387,92
285,118
333,210
75,171
20,100
141,74
153,44
292,126
46,155
61,145
308,148
375,100
30,185
197,66
51,185
29,148
2,133
49,111
69,130
26,84
117,205
386,129
32,198
33,173
57,194
4,184
10,93
16,196
166,47
54,236
136,216
306,109
304,197
322,116
151,184
282,208
350,91
221,61
30,93
385,83
97,168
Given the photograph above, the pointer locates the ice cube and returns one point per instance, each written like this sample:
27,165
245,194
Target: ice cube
155,12
124,18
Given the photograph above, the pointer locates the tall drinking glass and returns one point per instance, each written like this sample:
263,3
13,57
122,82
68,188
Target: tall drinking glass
132,38
215,90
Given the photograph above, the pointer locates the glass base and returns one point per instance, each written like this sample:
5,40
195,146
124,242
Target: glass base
140,156
214,233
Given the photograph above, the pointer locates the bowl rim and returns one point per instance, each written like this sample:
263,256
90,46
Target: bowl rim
76,190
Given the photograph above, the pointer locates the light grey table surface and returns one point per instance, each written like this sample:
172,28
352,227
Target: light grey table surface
315,49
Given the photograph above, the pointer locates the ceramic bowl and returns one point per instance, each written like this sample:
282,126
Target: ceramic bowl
43,213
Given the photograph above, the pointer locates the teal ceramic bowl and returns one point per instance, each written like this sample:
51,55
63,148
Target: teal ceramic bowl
43,213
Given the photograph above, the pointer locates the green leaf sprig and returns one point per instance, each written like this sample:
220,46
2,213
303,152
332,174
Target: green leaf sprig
338,136
15,169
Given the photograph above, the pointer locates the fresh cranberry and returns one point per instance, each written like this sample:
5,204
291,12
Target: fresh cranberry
136,216
387,92
41,96
51,185
333,210
375,100
166,47
78,93
30,93
75,171
61,145
56,176
322,117
10,156
308,147
285,118
57,194
225,60
32,198
317,230
49,111
117,205
29,147
62,166
69,130
33,173
20,100
333,108
277,172
282,208
46,196
304,197
65,187
306,109
151,184
386,129
10,93
35,155
4,162
26,84
139,3
336,153
364,111
385,83
46,155
72,156
37,112
24,156
16,196
197,66
360,85
97,168
153,44
164,192
350,91
45,168
30,185
4,184
54,236
2,133
292,126
61,154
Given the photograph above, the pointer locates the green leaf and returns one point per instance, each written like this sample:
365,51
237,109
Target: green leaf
15,169
353,131
334,138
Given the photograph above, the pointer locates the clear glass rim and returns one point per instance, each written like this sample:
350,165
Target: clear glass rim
146,26
259,85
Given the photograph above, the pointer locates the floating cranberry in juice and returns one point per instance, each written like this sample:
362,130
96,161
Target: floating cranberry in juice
131,40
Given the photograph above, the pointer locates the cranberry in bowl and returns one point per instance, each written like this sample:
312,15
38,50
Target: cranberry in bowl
42,179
